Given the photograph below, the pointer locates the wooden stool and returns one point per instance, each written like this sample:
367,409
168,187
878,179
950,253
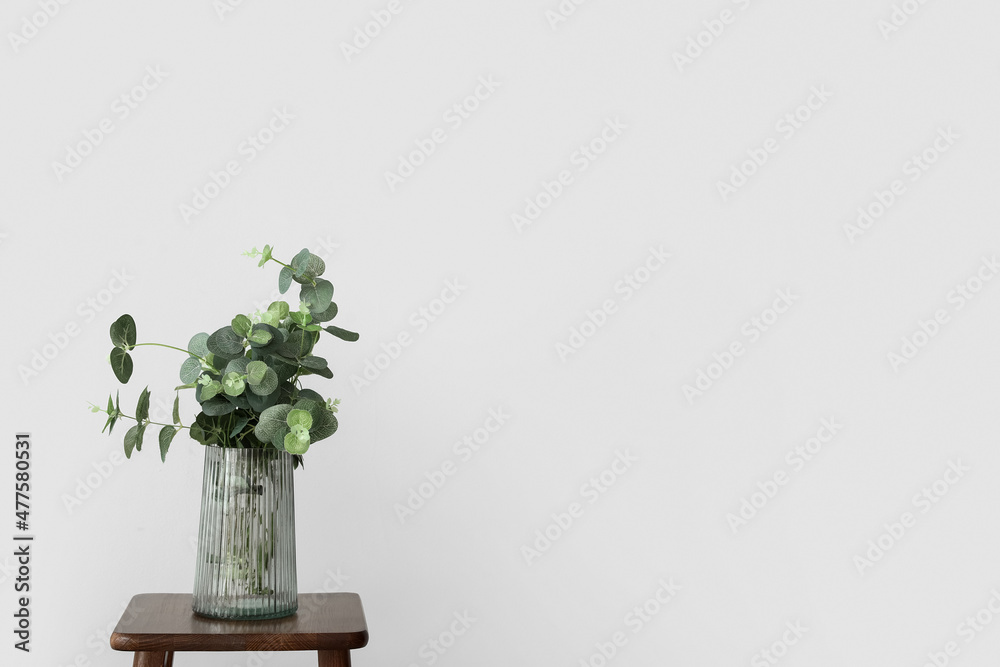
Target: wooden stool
155,625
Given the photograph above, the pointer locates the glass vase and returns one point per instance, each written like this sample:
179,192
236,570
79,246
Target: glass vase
245,565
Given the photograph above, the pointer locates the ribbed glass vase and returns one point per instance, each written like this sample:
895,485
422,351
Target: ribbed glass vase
246,539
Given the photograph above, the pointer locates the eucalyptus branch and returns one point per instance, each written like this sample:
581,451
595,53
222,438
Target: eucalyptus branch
247,375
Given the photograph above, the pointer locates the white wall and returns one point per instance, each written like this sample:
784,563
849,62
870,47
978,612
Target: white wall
879,96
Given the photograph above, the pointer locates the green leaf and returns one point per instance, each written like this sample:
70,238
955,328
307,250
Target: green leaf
130,438
313,363
342,334
300,262
326,315
279,308
133,439
198,345
260,336
142,407
284,279
297,440
241,325
307,267
311,395
121,364
272,335
260,403
123,332
218,406
239,400
177,409
318,296
167,434
271,423
298,345
190,370
255,371
267,384
299,417
265,256
209,391
241,421
233,384
238,366
225,343
109,425
301,319
324,426
322,372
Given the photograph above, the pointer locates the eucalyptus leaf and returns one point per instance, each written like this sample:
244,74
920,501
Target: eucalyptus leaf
218,406
296,441
284,279
313,363
241,325
299,417
342,334
239,400
238,366
318,296
121,364
130,439
123,332
208,391
300,262
260,337
167,434
233,384
310,267
198,345
142,407
190,370
275,335
323,426
326,315
255,371
241,421
298,344
271,422
109,425
279,308
177,410
311,395
260,403
268,382
225,343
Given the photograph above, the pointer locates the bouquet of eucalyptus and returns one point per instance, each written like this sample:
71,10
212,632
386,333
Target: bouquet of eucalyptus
246,376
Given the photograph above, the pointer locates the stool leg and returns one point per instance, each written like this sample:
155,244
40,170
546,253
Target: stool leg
153,659
334,659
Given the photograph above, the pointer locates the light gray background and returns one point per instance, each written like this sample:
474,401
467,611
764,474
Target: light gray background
321,183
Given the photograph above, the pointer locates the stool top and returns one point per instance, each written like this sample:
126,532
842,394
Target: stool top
165,622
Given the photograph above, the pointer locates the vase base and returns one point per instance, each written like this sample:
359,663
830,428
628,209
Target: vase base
245,614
